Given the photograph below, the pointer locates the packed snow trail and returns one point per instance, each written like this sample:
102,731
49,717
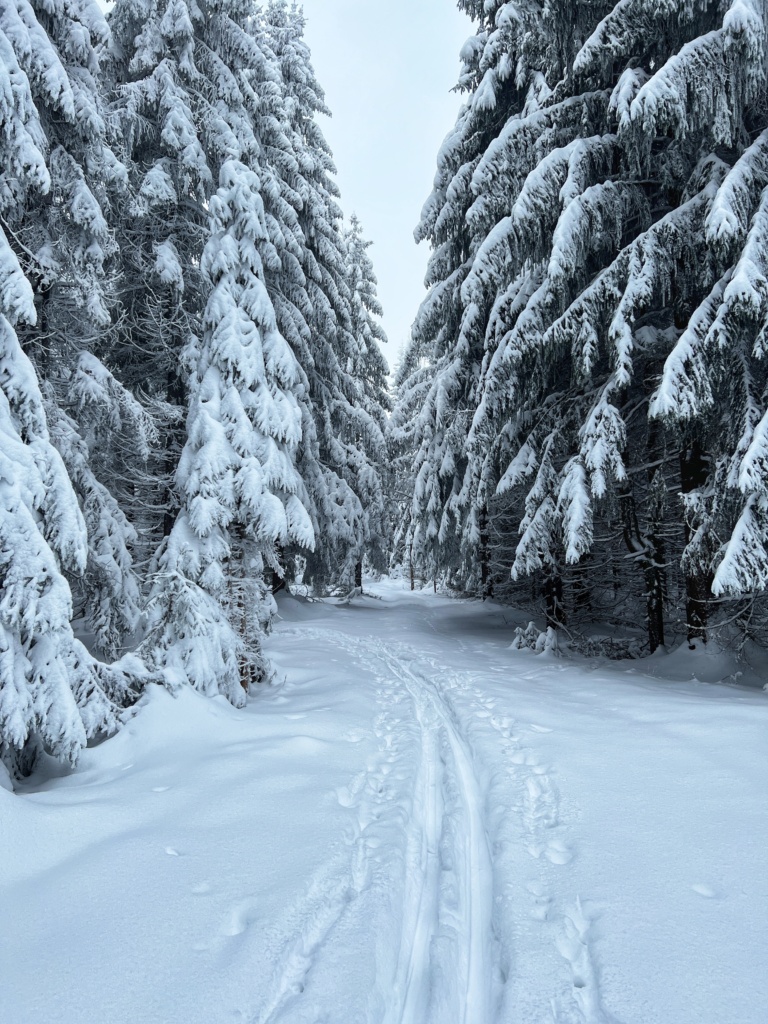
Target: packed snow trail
416,826
445,761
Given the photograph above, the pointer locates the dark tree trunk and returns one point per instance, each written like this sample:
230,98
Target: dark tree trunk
486,583
176,396
410,558
359,575
652,572
553,596
238,601
278,579
654,590
655,567
694,470
582,591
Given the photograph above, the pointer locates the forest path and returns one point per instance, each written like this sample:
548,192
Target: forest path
424,781
447,927
453,783
417,825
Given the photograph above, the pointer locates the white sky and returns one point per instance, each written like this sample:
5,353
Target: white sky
387,68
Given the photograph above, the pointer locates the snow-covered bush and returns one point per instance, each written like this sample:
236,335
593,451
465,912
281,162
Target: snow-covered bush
534,639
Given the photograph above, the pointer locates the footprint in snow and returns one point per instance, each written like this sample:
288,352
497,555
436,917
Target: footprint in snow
240,918
345,797
540,728
172,852
542,902
558,853
541,911
705,891
160,789
354,736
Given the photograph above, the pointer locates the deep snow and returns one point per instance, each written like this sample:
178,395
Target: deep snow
418,825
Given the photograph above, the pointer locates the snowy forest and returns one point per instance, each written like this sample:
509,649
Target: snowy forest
195,407
339,687
582,407
194,399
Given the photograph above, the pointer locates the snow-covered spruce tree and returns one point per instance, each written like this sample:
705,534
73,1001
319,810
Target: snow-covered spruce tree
192,83
195,86
593,329
53,695
175,98
285,251
369,371
61,238
241,494
336,456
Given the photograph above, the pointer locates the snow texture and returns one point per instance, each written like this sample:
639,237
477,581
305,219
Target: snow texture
420,825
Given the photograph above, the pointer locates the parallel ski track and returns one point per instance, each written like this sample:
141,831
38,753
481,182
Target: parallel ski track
444,759
475,898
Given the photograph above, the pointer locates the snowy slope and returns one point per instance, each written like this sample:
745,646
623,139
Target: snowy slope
420,825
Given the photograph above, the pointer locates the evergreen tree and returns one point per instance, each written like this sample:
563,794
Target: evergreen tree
193,87
240,490
334,458
600,192
197,91
369,370
53,695
56,169
179,106
62,238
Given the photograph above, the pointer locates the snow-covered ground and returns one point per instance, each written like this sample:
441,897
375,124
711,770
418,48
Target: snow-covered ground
420,826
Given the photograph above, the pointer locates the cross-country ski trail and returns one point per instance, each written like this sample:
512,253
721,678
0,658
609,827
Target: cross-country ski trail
415,825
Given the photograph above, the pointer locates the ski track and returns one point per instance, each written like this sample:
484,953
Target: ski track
538,826
456,950
445,969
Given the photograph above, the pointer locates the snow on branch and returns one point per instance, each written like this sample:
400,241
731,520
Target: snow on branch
719,66
733,206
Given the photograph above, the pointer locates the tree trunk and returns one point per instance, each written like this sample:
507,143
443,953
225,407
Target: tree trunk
694,471
176,396
582,592
655,567
652,571
410,556
237,585
486,583
278,579
359,575
553,596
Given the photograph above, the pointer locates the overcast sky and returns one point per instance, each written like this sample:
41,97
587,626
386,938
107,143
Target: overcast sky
387,68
